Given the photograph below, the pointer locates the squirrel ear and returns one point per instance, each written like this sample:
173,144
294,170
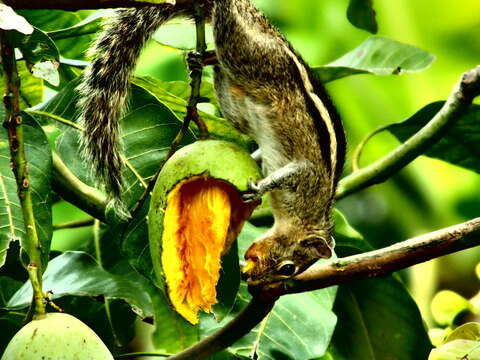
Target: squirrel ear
319,245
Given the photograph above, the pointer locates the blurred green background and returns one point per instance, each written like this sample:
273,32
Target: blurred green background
428,194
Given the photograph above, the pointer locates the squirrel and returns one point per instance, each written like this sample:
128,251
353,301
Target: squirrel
266,90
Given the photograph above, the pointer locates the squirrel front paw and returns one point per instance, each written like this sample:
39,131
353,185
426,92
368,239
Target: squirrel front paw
253,193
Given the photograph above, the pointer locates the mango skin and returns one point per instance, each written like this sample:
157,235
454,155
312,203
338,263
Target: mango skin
56,336
216,158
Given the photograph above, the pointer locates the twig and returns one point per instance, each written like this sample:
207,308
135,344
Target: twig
366,265
460,99
74,224
13,124
357,153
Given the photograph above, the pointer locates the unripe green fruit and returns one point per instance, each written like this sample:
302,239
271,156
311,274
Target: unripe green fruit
56,336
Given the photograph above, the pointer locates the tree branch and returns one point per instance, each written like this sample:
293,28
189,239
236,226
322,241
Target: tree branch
467,88
366,265
389,259
16,139
74,5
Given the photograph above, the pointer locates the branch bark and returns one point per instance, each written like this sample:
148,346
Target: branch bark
13,124
74,5
366,265
467,88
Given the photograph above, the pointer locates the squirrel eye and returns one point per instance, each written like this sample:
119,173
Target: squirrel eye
287,269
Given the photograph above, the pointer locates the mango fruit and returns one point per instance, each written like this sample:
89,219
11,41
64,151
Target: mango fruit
196,213
56,336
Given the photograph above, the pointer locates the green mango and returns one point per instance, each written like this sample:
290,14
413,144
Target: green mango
56,336
212,171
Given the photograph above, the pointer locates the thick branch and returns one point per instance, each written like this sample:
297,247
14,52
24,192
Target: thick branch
392,258
74,5
366,265
460,99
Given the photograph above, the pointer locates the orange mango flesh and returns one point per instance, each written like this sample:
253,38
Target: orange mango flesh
196,225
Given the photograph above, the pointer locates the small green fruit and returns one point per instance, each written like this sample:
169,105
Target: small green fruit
56,336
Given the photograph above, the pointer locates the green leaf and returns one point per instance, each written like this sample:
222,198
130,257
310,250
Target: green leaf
71,31
88,26
362,15
119,331
10,323
77,273
50,20
377,319
346,236
457,349
228,283
458,145
35,47
468,331
172,332
182,90
8,287
219,128
179,35
31,89
39,166
377,55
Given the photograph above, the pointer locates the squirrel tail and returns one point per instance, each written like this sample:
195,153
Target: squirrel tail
105,85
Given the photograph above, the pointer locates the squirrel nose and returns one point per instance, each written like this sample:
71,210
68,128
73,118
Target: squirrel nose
247,268
254,252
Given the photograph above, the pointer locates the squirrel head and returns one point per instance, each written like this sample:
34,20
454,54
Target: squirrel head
278,256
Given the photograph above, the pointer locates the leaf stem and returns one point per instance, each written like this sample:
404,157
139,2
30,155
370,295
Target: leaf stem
13,124
466,89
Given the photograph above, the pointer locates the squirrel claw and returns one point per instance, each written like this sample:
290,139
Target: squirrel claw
253,193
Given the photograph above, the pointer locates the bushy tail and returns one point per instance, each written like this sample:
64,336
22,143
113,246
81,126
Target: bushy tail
105,85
